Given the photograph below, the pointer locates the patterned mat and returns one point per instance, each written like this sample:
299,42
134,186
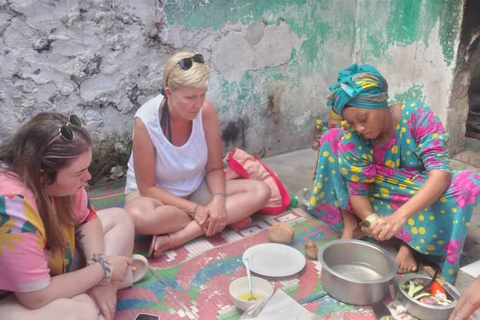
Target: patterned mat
191,282
199,284
107,195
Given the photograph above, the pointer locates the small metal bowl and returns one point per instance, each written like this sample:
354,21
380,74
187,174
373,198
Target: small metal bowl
356,272
426,311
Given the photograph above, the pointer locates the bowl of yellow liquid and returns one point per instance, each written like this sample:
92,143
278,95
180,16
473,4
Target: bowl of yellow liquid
240,291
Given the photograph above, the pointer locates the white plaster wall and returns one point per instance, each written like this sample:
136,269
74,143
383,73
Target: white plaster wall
102,59
422,66
84,57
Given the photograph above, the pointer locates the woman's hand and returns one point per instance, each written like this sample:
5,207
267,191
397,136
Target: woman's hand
218,215
201,216
385,228
106,299
106,295
468,303
121,265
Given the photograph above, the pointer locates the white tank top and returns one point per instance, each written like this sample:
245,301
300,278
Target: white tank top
179,170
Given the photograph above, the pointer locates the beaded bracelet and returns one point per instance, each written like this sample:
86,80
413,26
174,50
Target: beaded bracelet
220,194
107,267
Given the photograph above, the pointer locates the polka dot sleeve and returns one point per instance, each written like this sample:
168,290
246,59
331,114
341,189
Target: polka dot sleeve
356,163
431,139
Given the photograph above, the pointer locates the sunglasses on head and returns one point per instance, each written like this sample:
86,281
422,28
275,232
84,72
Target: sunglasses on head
186,63
65,131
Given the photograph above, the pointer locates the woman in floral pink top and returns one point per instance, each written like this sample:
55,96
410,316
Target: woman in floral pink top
46,220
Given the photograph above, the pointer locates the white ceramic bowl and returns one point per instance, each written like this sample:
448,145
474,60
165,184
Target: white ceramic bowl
239,287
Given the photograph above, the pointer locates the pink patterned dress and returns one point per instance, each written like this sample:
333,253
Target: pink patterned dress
390,174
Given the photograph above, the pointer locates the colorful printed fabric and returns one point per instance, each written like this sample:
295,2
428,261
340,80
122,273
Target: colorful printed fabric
390,175
358,86
26,263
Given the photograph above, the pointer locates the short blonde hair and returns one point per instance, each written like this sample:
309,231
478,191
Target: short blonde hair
174,76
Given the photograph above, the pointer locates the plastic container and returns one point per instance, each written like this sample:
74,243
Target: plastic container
335,118
317,134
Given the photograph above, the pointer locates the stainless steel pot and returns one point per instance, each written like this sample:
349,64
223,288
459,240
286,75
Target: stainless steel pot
356,272
424,311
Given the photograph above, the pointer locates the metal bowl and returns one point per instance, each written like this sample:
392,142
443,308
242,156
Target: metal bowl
356,272
425,311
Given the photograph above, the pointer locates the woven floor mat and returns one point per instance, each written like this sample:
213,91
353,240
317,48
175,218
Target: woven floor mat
193,283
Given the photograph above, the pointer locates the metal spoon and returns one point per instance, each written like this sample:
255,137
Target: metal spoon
249,277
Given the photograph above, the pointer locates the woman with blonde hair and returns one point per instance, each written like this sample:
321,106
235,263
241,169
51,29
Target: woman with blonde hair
176,188
60,259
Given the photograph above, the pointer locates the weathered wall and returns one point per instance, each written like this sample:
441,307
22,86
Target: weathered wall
271,61
414,44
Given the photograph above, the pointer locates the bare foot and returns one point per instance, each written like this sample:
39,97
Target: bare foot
241,224
405,259
351,229
352,233
160,244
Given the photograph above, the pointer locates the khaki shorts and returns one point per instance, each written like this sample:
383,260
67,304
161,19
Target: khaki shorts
202,195
132,195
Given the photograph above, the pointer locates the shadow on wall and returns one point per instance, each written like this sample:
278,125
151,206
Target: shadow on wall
233,134
109,160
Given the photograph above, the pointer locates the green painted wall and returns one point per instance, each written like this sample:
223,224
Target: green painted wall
271,109
408,25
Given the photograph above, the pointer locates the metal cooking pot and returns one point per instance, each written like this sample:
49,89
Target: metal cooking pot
424,311
356,272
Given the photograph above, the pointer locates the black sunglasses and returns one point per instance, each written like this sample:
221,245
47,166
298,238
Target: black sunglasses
186,63
65,132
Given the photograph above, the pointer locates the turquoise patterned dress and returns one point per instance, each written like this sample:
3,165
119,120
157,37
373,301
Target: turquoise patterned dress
390,174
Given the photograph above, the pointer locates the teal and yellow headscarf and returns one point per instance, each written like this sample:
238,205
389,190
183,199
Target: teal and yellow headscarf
358,86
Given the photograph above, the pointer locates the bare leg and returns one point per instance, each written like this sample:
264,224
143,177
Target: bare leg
119,233
174,227
405,259
60,309
150,216
245,197
351,229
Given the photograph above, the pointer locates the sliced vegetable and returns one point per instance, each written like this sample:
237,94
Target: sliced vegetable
437,290
413,289
433,294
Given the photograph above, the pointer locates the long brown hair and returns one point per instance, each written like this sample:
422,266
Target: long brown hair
35,153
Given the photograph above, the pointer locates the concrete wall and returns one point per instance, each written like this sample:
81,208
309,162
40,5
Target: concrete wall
271,61
414,43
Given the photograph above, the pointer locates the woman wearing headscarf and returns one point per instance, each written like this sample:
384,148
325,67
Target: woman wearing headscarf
390,170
